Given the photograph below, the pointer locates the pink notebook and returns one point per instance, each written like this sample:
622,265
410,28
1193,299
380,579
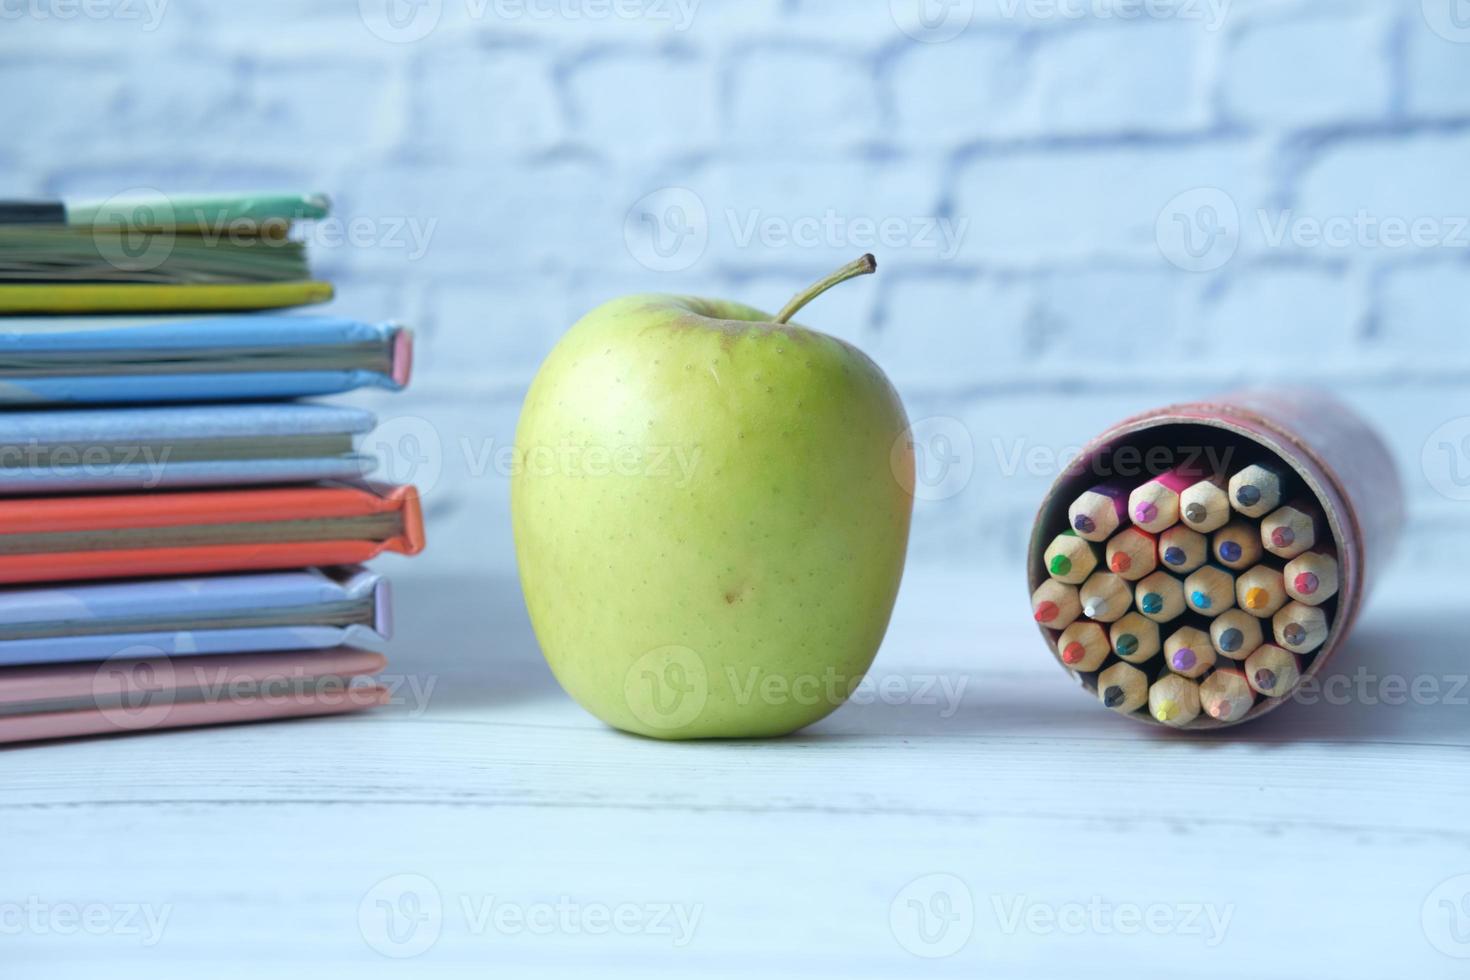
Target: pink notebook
117,696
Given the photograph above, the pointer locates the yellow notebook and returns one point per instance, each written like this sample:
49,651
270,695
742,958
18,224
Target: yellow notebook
151,298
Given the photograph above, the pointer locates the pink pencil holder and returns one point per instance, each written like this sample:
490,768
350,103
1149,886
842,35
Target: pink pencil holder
1332,452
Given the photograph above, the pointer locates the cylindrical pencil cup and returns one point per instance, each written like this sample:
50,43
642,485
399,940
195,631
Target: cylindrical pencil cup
1195,564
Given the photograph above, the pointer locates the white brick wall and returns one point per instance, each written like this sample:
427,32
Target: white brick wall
1057,135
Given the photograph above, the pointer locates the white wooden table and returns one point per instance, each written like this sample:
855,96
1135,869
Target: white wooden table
499,831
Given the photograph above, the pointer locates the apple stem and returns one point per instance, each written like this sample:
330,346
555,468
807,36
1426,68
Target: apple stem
867,265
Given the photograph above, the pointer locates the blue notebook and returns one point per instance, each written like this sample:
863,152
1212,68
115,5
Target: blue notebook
312,609
111,360
68,450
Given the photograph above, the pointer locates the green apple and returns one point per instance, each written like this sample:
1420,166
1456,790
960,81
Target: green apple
711,511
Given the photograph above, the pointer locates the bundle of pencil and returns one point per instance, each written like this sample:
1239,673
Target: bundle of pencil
1213,593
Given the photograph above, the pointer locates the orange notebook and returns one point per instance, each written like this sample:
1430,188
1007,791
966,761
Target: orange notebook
51,539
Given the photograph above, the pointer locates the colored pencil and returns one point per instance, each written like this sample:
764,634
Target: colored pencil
1256,490
1154,506
1133,553
1105,597
1084,646
1122,687
1261,591
1183,549
1098,512
1299,627
1210,591
1174,700
1291,529
1135,638
1226,694
1160,597
1312,578
1070,558
1273,671
1236,634
1205,505
1055,604
1237,545
1188,651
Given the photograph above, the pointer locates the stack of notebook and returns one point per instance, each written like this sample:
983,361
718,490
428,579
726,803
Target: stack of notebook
181,539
